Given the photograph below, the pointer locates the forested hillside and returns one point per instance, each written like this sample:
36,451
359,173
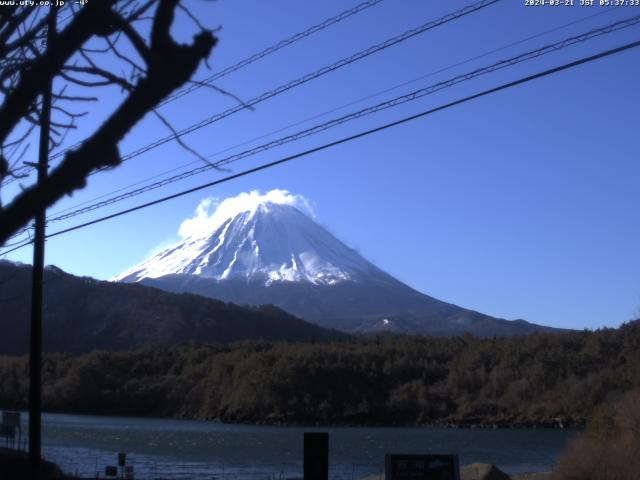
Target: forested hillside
542,379
82,314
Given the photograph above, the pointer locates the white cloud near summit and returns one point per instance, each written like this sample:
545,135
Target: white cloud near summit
211,212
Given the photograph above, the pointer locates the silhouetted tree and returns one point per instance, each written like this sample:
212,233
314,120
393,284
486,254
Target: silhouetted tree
120,27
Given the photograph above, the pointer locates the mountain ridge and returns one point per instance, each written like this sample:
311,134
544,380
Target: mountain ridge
272,242
272,253
82,314
317,304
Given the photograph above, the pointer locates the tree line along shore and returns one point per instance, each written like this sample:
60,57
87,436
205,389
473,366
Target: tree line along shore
550,380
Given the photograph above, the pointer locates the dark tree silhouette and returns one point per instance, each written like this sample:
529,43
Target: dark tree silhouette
131,34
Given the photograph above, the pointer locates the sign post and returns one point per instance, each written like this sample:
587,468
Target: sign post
10,425
316,456
421,467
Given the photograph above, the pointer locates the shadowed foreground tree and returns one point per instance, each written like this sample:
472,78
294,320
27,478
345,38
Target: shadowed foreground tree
100,38
609,449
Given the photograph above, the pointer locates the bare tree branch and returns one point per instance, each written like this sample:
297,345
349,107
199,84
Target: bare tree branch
178,139
169,65
108,76
87,23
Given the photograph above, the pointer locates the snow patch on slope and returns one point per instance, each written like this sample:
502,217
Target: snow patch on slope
255,236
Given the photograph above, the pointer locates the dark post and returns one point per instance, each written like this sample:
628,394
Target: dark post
35,352
316,456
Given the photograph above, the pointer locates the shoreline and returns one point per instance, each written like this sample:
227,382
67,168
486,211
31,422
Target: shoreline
265,422
14,464
531,470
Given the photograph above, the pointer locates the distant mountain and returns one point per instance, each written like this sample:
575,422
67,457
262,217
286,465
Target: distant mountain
272,253
83,314
270,243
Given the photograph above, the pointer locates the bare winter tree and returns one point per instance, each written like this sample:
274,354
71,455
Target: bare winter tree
98,37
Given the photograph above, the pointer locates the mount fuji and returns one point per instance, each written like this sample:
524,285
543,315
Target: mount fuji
265,249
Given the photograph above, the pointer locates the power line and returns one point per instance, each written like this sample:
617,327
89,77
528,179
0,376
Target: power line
365,133
283,88
243,63
353,102
6,245
272,49
409,97
311,76
24,244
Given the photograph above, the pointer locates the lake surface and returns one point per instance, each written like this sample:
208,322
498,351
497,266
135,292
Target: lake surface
175,449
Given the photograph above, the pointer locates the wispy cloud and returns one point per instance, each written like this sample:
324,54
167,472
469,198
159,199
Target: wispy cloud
211,212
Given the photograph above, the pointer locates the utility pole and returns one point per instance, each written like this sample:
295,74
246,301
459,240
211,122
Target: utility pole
35,352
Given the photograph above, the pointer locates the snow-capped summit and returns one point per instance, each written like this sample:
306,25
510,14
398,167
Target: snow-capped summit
267,239
261,249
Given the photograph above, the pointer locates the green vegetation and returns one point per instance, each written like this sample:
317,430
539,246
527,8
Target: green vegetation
541,379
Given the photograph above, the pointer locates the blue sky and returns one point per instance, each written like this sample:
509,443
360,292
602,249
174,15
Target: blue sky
523,204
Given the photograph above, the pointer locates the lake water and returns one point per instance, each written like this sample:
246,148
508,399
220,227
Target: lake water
174,449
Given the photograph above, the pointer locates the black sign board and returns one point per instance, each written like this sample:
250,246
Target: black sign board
11,419
316,456
8,431
422,467
122,459
111,471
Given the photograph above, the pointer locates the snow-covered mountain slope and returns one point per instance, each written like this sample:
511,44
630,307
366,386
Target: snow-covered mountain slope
271,243
265,250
